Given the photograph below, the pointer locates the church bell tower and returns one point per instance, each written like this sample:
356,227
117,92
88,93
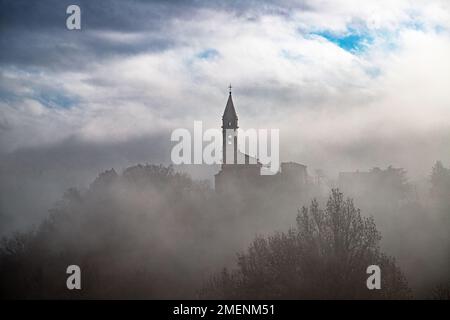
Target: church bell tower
229,132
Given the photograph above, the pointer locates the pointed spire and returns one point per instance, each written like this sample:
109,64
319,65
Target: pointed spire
230,112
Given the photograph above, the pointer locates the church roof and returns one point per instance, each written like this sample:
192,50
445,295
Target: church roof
230,112
244,158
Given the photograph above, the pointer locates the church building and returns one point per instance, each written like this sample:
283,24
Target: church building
241,173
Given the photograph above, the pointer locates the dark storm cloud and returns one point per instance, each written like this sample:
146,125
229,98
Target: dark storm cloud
127,15
103,14
56,49
34,32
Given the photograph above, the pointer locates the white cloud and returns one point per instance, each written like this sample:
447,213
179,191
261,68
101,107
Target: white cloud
341,109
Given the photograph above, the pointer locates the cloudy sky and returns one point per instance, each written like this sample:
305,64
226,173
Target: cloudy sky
350,84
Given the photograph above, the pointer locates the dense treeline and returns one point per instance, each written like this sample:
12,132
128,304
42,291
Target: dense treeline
324,257
151,232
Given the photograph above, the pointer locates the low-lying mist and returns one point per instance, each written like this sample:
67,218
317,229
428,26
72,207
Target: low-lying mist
151,232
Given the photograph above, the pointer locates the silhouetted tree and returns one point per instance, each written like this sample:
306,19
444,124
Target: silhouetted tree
440,181
441,292
325,256
127,233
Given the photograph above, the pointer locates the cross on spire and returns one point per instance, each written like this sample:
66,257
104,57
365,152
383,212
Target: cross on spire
229,88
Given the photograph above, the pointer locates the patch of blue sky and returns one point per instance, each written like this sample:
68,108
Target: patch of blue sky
7,96
415,25
351,41
56,100
373,72
439,29
48,99
292,56
208,54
